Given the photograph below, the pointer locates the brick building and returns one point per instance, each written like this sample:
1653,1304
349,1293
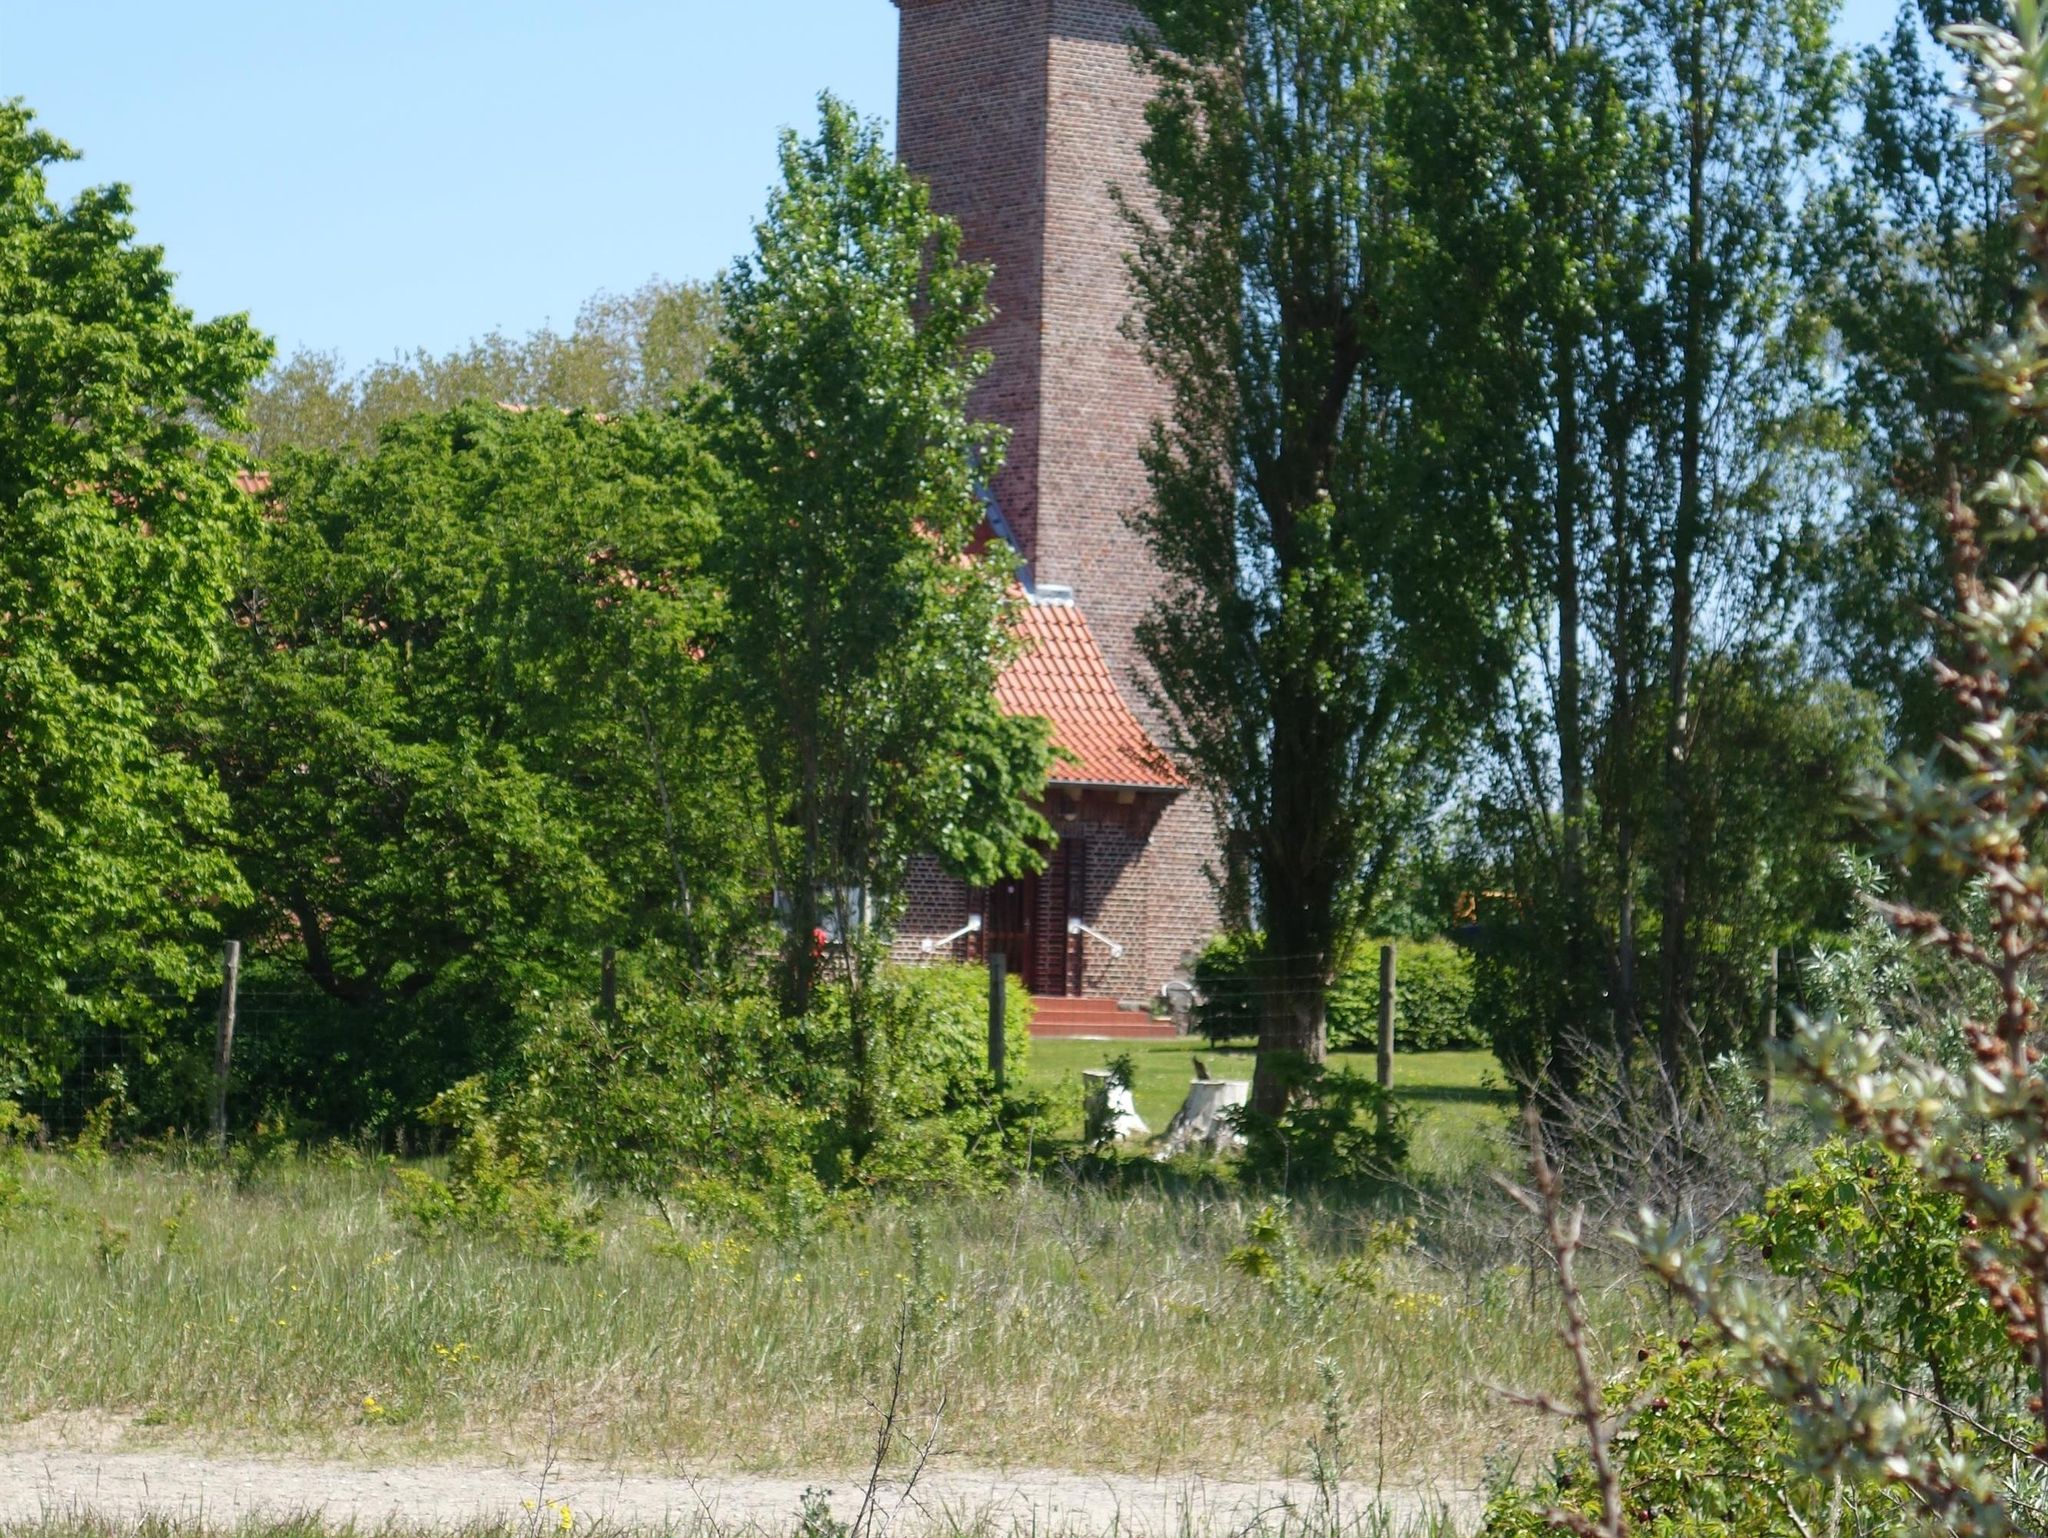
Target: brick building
1022,115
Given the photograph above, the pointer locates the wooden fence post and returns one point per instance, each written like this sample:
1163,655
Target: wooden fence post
1386,1064
224,1037
1771,1032
998,1002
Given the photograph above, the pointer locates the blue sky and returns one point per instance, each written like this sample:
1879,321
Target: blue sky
374,175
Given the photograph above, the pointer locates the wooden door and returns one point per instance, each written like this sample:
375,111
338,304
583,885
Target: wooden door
1009,925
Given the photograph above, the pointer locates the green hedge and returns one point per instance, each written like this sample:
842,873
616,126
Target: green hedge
1432,998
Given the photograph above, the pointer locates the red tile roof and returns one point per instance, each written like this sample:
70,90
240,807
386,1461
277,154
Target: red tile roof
1062,677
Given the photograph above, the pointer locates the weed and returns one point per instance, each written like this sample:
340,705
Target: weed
111,1245
174,1225
490,1190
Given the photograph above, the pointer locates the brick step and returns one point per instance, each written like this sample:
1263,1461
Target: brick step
1053,1015
1079,1009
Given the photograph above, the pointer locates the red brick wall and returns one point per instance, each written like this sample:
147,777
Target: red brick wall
1023,114
970,119
934,904
1097,398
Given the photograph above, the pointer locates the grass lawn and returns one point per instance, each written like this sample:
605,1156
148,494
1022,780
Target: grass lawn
1456,1098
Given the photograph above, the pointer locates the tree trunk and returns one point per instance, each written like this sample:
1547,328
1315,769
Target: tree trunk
1571,752
1293,1041
1622,729
1675,1024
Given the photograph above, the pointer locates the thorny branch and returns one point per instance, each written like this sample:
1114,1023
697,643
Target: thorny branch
1565,1232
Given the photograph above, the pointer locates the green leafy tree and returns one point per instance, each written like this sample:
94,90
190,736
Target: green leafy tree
119,515
1746,102
1932,1217
1911,261
861,641
644,349
1661,391
1329,617
469,736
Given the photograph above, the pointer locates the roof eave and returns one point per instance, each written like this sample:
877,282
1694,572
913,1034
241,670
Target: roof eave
1146,785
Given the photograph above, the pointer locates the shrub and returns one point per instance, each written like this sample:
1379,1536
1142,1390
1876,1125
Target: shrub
492,1189
712,1104
1226,978
17,1129
1339,1128
1433,999
1705,1451
728,1111
935,1118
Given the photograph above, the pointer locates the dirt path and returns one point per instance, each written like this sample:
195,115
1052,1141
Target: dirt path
126,1485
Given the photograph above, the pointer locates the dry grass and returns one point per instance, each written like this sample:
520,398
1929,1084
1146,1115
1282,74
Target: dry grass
1365,1524
1061,1327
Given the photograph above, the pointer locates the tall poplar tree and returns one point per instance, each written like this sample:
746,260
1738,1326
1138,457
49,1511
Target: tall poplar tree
1912,261
1328,619
1662,155
1747,100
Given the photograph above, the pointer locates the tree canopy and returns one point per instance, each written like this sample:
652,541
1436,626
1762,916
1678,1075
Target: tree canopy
861,641
120,518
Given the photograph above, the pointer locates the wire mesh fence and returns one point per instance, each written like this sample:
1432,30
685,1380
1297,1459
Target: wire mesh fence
120,1058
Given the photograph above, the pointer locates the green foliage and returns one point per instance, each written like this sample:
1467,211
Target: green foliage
492,1189
1433,995
17,1130
1274,1255
861,643
1338,1128
713,1106
936,1123
1642,178
1432,999
468,734
643,350
1912,261
1777,757
725,1110
1873,1254
1226,975
1945,1174
1328,623
119,514
1703,1452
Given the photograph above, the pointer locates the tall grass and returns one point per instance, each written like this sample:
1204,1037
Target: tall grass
1060,1327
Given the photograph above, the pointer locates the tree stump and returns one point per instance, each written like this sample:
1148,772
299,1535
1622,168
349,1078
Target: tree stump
1108,1113
1201,1121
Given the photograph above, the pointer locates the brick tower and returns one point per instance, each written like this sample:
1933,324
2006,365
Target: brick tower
1023,115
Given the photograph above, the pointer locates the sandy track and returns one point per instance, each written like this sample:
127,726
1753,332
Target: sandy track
126,1485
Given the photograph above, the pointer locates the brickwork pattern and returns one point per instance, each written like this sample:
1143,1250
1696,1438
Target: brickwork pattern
971,120
934,904
1133,858
1098,400
1023,114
